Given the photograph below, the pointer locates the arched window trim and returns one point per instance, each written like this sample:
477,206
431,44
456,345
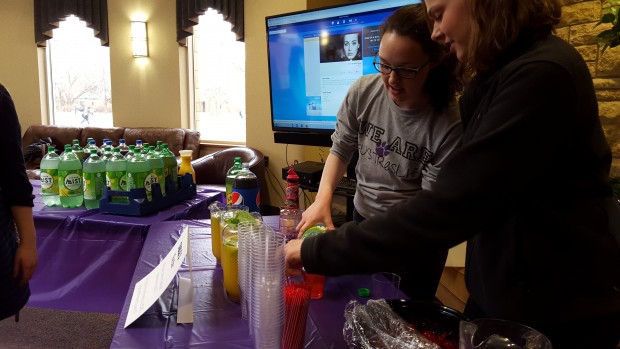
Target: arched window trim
188,12
48,14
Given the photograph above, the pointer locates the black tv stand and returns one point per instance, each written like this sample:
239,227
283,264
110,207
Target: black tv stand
345,188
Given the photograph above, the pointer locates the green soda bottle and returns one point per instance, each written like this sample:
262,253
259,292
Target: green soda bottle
94,180
67,146
129,154
145,149
157,170
116,174
171,168
107,154
138,170
49,178
70,180
77,150
230,178
90,144
158,146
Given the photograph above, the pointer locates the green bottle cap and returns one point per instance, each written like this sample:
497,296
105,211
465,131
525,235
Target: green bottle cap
363,292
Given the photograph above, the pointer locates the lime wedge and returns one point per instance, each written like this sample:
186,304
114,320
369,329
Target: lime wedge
312,231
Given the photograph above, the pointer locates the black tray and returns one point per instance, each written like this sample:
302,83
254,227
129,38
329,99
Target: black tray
136,203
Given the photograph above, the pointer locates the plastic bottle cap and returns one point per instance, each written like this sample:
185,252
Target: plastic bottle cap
363,292
292,175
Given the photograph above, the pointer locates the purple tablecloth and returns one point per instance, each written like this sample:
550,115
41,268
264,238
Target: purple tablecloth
87,258
217,321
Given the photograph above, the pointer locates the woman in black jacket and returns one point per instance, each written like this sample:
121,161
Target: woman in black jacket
18,248
528,190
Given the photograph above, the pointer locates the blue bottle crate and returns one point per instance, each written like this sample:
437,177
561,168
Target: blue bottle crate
138,205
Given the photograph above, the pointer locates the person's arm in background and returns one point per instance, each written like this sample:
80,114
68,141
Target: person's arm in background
450,141
26,256
344,145
320,210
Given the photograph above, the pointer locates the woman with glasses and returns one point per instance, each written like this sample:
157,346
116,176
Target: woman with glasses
528,188
403,122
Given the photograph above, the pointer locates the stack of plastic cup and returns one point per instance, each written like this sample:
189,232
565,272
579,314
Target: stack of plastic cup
245,230
267,287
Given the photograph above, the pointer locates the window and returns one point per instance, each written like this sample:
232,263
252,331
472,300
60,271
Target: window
78,76
218,75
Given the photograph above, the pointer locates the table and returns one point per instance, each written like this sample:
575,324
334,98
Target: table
217,321
87,258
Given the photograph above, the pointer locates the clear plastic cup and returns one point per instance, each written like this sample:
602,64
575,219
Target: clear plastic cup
216,209
385,285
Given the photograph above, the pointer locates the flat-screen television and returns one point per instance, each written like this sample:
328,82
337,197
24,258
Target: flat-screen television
314,56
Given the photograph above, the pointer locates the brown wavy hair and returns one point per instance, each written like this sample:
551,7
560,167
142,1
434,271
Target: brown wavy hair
441,83
496,24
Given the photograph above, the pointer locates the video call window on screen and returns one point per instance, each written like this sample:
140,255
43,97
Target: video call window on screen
315,56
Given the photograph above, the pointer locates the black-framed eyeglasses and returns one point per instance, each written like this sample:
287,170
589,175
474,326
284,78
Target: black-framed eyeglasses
401,72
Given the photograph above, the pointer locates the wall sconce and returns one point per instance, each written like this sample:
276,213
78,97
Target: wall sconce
139,39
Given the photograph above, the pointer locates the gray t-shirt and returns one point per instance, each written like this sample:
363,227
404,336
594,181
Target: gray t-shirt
400,151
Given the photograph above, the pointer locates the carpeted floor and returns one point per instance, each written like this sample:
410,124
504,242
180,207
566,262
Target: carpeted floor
40,328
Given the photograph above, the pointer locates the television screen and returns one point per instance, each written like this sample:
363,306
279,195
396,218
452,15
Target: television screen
314,56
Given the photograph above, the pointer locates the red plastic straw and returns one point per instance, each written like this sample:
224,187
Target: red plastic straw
296,300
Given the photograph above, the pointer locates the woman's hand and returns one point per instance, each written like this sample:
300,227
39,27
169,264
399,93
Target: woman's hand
292,256
25,264
318,212
26,255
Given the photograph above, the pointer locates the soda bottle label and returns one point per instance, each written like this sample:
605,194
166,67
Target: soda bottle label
230,180
161,177
70,182
229,199
93,185
292,196
247,197
150,179
136,179
116,180
49,182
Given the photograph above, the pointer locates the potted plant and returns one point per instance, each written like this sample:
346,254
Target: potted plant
610,38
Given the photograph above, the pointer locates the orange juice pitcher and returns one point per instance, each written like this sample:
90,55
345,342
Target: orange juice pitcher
186,164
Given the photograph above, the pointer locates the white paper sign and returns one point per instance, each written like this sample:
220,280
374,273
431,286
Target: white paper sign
150,288
185,308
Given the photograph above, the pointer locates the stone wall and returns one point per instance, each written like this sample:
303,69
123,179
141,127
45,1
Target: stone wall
577,27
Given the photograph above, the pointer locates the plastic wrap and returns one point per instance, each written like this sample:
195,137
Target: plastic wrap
375,325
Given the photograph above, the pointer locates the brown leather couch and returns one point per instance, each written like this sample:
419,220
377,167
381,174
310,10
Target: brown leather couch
177,138
211,169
